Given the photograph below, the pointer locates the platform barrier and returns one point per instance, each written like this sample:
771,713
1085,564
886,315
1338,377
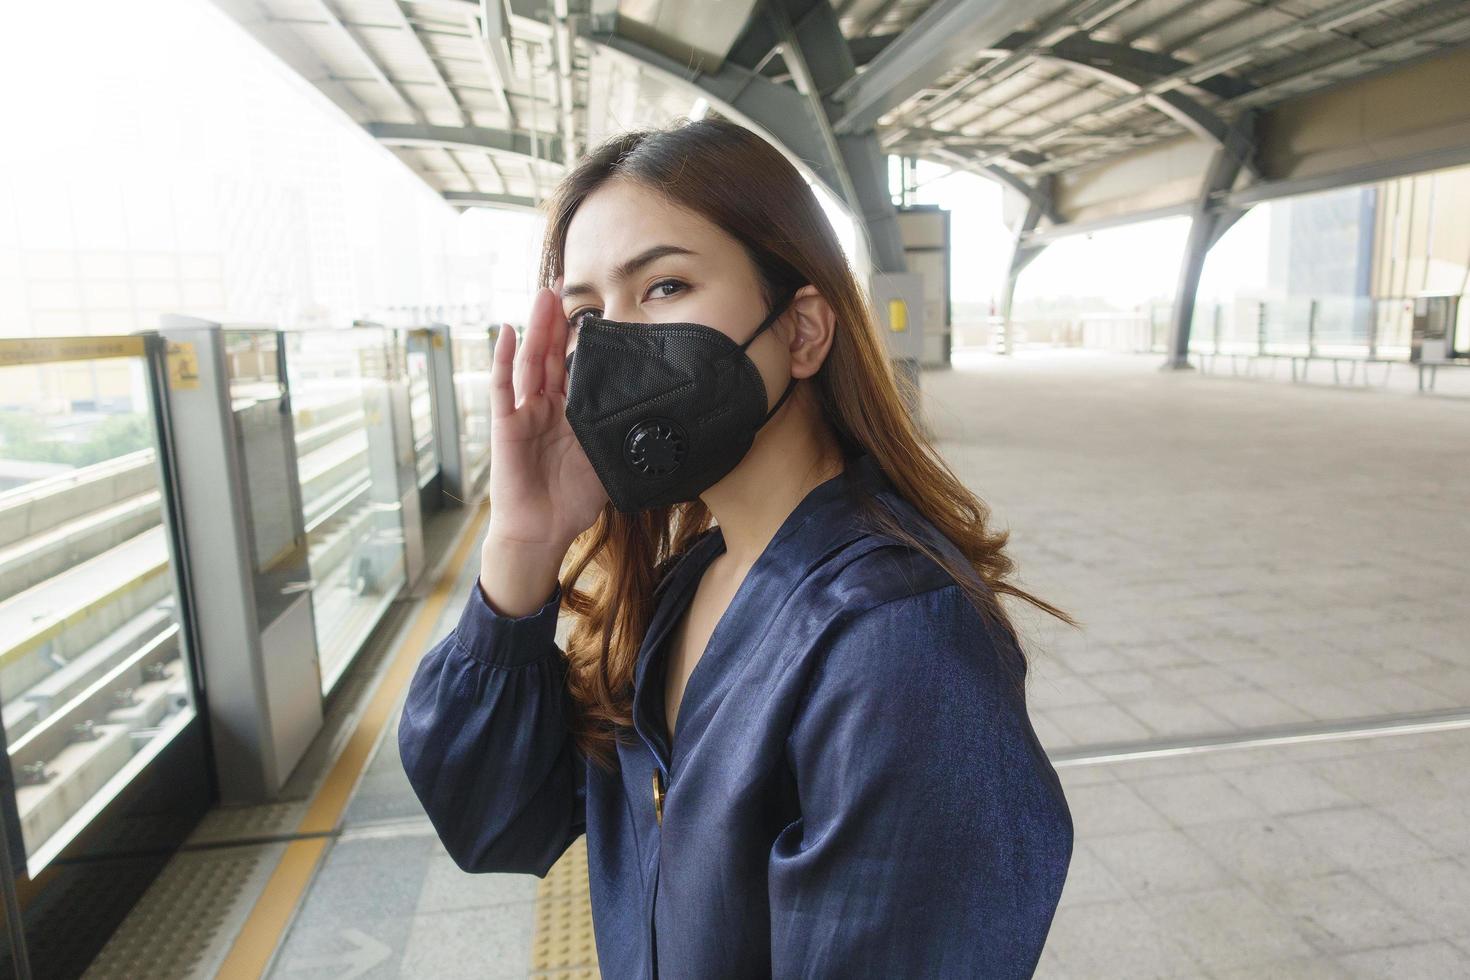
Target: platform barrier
359,492
95,664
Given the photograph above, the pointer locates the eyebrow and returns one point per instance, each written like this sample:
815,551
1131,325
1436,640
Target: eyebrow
628,268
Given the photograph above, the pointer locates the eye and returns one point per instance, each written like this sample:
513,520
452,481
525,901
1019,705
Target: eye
575,320
665,282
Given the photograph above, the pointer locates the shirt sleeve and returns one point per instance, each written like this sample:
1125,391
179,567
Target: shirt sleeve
933,838
485,742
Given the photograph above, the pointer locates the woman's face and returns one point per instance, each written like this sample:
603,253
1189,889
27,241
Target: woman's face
633,255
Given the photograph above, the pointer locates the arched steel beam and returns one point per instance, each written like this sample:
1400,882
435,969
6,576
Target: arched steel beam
1217,63
1155,64
739,93
1150,64
805,74
1114,63
853,168
1128,68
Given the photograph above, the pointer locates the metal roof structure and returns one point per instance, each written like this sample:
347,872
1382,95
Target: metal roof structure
1093,111
1092,79
487,100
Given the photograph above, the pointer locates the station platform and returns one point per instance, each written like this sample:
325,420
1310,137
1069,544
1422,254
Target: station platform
1263,730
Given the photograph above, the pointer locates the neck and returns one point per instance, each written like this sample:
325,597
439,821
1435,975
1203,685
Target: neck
792,454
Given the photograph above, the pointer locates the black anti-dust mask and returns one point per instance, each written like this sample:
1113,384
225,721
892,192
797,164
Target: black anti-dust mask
664,410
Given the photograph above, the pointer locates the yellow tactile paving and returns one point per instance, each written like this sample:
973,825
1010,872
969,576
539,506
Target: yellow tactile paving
563,945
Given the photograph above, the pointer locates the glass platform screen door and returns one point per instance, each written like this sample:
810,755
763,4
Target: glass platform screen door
108,754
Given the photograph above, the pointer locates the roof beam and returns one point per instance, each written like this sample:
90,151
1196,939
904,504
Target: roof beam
879,12
441,82
492,28
1132,61
864,49
518,143
276,35
1391,53
379,73
1107,61
477,199
1232,57
1114,63
563,28
945,35
1078,16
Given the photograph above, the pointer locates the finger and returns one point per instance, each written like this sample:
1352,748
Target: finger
556,345
537,334
502,367
523,342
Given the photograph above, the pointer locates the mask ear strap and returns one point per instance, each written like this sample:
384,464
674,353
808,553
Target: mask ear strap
790,387
770,319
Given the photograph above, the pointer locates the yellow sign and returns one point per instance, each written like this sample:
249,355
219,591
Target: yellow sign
183,366
438,339
46,350
898,315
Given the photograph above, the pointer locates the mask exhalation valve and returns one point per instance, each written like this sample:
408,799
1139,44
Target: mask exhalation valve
656,447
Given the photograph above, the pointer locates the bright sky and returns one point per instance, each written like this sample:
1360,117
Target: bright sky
1125,265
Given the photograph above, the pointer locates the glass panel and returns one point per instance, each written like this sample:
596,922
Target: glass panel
1286,325
421,414
1240,326
1394,327
472,353
93,665
349,484
257,397
1342,325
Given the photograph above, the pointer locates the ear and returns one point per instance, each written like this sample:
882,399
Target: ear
812,326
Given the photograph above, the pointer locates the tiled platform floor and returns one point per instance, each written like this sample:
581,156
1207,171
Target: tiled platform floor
1330,859
1243,554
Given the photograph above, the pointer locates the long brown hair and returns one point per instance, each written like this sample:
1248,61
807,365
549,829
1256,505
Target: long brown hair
743,185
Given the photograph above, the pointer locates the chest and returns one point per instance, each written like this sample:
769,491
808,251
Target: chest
690,636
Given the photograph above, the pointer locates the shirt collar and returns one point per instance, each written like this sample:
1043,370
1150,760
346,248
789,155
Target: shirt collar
820,522
861,475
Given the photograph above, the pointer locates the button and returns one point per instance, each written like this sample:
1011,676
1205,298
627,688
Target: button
658,797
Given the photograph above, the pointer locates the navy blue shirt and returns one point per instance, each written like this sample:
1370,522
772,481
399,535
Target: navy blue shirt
853,789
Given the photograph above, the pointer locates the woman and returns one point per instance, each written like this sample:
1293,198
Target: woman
797,738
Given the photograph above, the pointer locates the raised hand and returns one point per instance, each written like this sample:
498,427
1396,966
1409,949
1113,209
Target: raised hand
543,490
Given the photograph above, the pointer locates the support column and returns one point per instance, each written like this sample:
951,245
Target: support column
1038,204
820,59
1208,223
